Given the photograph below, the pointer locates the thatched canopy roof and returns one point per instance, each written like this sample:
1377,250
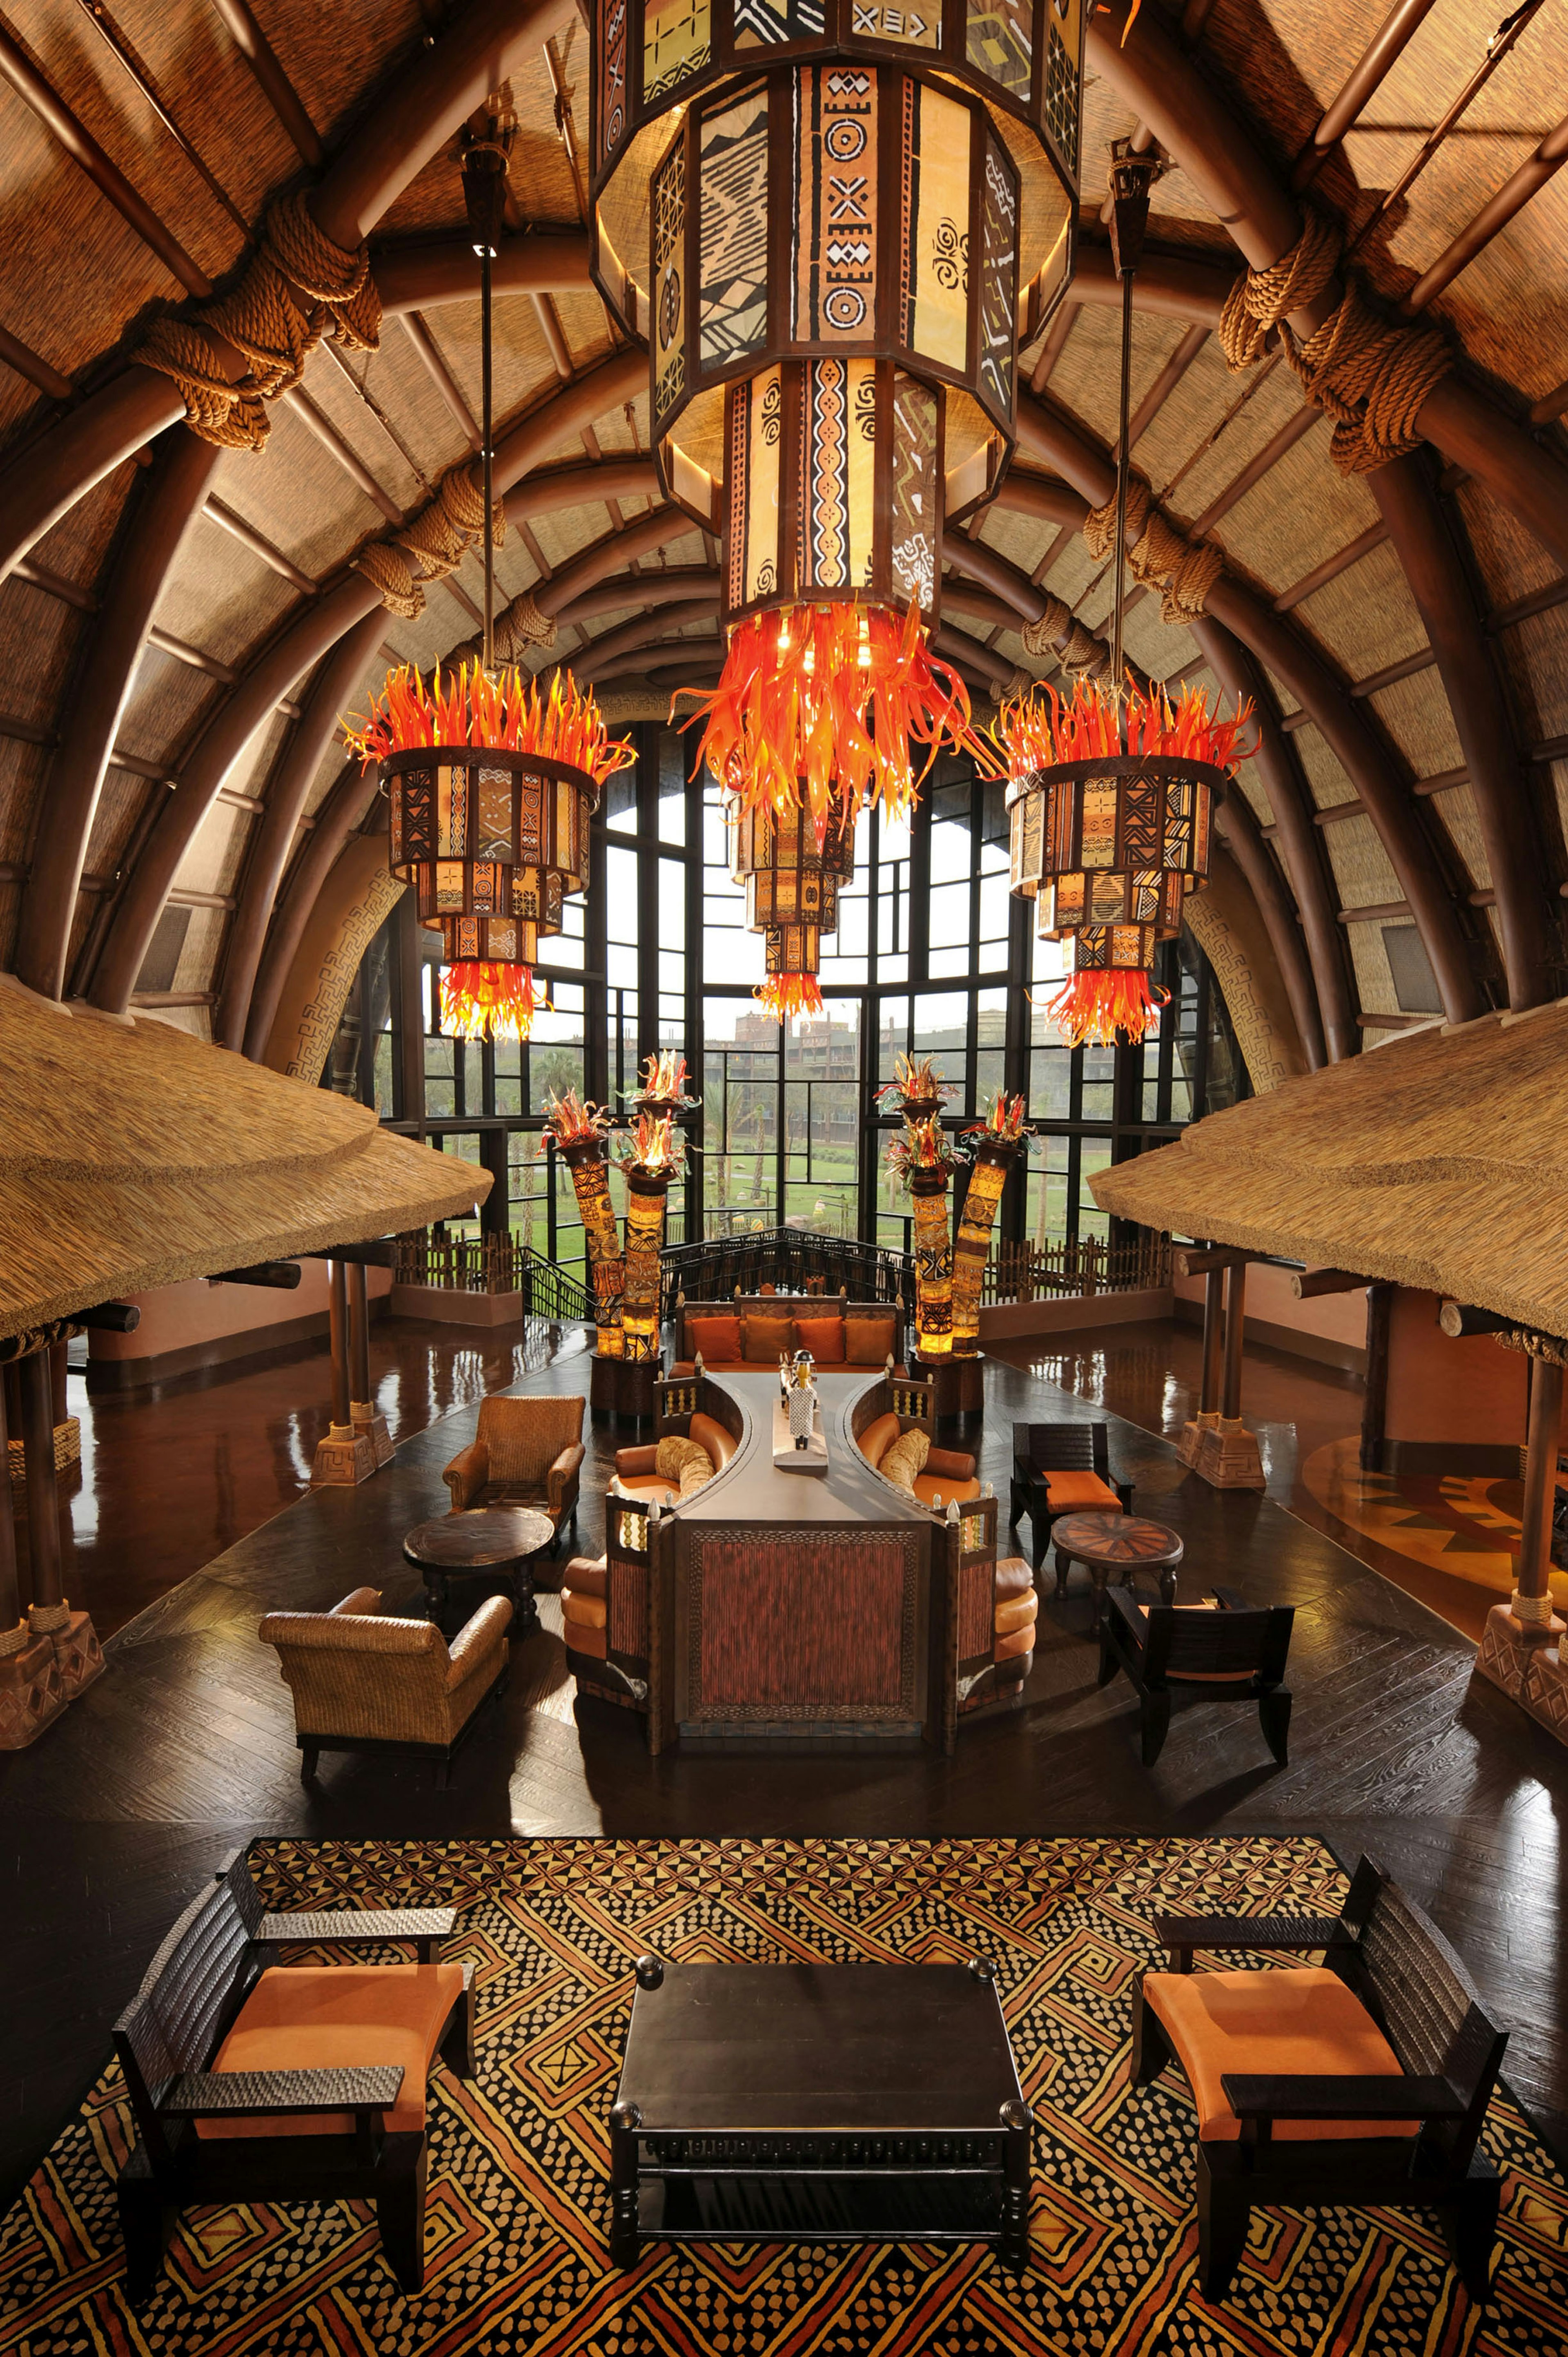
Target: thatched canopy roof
137,1157
1441,1161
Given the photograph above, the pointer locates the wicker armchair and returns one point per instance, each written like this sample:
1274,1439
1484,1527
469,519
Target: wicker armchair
364,1683
1362,2080
526,1452
248,2084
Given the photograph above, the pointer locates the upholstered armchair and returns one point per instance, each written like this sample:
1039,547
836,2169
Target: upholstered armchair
362,1682
527,1452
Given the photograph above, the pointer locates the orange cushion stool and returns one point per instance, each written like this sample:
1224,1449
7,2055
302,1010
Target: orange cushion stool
1300,2020
336,2017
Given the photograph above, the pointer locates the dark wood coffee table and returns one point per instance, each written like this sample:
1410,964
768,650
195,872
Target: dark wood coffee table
819,2103
465,1557
1119,1543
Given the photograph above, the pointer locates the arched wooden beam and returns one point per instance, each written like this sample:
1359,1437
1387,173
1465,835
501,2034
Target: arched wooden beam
1189,288
1193,124
689,658
547,493
297,649
1329,1032
334,683
600,658
611,555
1238,825
961,597
1044,434
92,710
653,589
415,276
400,127
343,810
970,655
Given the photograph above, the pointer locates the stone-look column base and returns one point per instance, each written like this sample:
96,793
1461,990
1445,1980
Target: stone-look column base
68,1451
1524,1658
1228,1455
77,1655
371,1425
32,1691
343,1460
1192,1432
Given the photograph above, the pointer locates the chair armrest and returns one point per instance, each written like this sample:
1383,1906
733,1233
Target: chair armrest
1124,1491
481,1634
561,1486
1329,2096
468,1473
1131,1608
1182,1933
223,2094
426,1925
635,1461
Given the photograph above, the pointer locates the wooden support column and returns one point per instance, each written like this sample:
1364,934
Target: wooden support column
345,1456
1210,1264
1226,1453
32,1691
71,1634
1375,1403
368,1422
1521,1643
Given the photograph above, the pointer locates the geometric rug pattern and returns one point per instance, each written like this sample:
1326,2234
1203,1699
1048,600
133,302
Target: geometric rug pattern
516,2256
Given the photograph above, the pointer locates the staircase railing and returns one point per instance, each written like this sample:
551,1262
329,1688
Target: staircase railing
490,1264
789,1258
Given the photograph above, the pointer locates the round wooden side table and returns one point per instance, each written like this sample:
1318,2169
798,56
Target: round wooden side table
1119,1543
465,1557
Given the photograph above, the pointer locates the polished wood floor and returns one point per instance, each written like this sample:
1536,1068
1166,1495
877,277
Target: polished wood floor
184,1751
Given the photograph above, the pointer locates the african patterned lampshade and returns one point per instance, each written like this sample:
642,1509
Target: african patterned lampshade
792,883
835,222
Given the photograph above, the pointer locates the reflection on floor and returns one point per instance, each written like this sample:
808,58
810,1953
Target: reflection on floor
1449,1541
172,1475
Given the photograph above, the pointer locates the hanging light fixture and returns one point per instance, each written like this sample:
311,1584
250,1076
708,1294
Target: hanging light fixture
833,254
793,880
491,786
1111,796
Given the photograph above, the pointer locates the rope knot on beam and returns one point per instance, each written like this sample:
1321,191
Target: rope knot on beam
433,544
1183,571
523,624
299,287
1372,375
1099,523
1060,632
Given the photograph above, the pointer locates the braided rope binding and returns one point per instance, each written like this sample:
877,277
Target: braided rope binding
1099,523
521,626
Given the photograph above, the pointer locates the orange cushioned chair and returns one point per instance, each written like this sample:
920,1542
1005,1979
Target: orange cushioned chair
1063,1469
527,1452
1222,1653
1362,2080
250,2084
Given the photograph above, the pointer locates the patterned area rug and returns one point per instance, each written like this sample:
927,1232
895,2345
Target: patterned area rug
515,2241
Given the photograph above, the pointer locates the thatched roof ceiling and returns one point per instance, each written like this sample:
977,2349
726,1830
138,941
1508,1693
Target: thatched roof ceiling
1441,1161
137,1157
1314,549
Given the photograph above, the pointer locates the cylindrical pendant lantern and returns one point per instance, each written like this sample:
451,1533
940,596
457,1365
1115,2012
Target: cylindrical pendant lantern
792,883
1115,842
994,1148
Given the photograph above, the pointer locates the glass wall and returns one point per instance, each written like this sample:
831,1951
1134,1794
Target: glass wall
932,957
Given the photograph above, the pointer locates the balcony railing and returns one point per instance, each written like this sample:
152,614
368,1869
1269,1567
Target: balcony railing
1085,1267
482,1263
789,1258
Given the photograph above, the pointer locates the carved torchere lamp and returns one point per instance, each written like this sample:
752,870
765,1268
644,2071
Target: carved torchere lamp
993,1146
652,1157
580,1131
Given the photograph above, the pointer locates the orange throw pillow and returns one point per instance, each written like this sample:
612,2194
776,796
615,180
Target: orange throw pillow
870,1341
715,1340
1081,1493
823,1337
765,1339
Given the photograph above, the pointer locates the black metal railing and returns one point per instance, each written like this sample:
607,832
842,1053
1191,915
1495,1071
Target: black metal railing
789,1258
461,1263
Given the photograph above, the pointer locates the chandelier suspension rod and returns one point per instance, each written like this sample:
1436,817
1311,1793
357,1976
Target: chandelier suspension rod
486,405
1123,469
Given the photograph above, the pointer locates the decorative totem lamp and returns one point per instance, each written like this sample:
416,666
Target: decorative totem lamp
922,1160
580,1132
993,1146
649,1160
835,222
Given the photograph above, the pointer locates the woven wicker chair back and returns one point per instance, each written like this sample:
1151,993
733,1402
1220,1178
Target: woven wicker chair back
524,1436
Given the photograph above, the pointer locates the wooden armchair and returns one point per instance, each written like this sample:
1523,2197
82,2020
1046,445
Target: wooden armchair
1362,2080
1227,1654
1062,1468
364,1681
252,2083
526,1452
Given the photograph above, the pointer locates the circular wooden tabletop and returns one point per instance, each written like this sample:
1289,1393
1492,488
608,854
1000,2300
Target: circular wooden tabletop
480,1539
1115,1539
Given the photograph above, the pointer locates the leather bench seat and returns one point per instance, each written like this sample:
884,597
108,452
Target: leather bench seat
335,2017
1258,2022
930,1487
585,1609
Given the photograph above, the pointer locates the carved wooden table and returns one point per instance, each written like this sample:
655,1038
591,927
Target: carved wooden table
465,1557
819,2103
1123,1544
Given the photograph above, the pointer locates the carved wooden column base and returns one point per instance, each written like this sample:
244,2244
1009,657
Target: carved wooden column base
1228,1455
1192,1432
1524,1658
344,1459
79,1657
68,1451
32,1691
371,1425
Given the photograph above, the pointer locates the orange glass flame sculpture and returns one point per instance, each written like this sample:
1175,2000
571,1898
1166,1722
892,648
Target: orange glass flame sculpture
491,845
662,1088
1109,801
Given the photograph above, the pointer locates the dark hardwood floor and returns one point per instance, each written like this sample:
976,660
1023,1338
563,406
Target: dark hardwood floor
184,1751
